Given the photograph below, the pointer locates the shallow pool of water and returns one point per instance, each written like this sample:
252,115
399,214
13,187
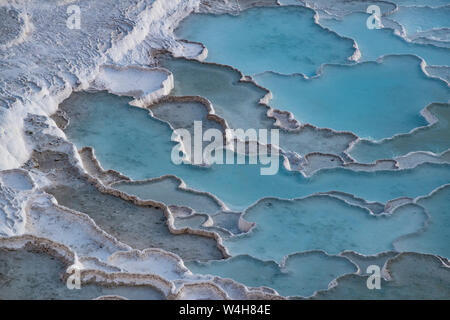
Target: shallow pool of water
372,100
321,223
374,43
280,39
301,275
434,138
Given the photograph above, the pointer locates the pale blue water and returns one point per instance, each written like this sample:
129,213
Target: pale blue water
434,138
321,223
430,3
127,139
364,262
413,277
282,39
302,275
374,43
418,19
380,89
436,237
238,103
168,191
372,100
